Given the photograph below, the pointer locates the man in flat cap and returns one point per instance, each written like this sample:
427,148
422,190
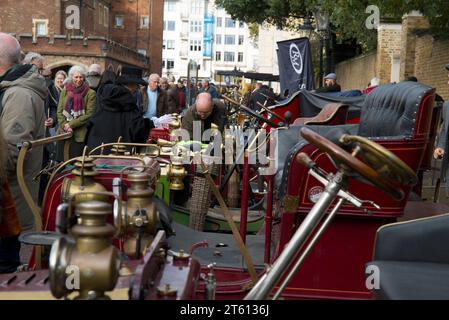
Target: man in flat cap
330,84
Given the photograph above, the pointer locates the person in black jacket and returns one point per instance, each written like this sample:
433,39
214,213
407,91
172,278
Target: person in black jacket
117,113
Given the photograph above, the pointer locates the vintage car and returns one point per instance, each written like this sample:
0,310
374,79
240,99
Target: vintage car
334,187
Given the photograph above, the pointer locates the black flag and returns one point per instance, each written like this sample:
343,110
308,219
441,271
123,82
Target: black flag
295,65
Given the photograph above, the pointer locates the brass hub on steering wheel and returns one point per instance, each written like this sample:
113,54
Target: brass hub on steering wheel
387,164
380,166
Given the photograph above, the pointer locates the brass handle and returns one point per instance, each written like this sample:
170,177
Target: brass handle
128,144
49,140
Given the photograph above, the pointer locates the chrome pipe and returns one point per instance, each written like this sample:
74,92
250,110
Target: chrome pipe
309,248
266,284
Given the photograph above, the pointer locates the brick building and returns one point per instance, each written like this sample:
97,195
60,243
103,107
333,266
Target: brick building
404,49
111,33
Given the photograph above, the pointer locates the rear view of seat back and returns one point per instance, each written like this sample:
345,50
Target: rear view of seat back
393,110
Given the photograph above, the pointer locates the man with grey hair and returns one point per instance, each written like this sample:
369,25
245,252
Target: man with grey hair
155,104
22,97
207,87
172,95
94,76
36,59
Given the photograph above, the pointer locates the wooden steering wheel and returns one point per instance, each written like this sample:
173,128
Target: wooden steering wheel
382,168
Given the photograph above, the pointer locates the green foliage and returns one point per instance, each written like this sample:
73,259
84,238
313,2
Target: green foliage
347,17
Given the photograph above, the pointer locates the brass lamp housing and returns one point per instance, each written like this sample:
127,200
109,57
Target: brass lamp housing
84,182
91,254
176,173
140,216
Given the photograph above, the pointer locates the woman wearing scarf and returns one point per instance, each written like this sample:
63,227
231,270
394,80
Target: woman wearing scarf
76,107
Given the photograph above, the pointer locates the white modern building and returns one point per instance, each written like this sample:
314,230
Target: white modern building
197,30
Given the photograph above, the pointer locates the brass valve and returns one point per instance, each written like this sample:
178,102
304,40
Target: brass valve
83,182
176,173
140,216
90,264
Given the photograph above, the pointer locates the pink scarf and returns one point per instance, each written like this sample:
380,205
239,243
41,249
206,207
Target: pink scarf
75,99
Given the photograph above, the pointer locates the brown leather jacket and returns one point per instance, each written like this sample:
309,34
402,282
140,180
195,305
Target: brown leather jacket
163,104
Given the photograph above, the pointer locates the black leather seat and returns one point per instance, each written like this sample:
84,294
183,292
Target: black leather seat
413,260
388,113
391,110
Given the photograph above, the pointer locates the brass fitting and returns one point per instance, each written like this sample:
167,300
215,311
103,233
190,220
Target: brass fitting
83,182
140,217
176,173
118,150
88,265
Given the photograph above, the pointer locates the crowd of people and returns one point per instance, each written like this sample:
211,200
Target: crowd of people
98,106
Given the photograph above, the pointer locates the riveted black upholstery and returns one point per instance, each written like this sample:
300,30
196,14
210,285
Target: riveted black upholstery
413,260
391,110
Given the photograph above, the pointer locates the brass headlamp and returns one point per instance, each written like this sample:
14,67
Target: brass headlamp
89,264
176,173
139,216
83,181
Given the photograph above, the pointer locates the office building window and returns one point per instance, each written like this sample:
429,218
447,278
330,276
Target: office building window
229,56
144,22
230,40
170,45
142,51
163,64
195,45
195,7
170,25
196,26
169,6
218,56
240,57
241,40
170,64
229,23
218,39
219,22
241,24
119,21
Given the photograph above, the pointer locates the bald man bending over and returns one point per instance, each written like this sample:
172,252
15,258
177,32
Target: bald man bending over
205,111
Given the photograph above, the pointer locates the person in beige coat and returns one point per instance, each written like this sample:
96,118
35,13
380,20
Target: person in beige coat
22,97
